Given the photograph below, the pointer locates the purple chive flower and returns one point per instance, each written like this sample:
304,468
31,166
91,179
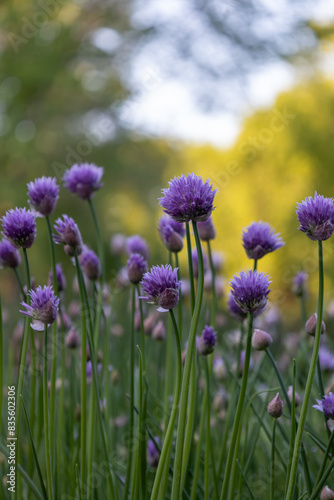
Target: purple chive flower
90,263
299,284
188,199
207,341
234,309
161,286
316,217
152,453
61,280
206,230
171,233
68,234
250,291
259,239
44,307
9,255
83,179
136,267
43,194
137,244
326,405
19,227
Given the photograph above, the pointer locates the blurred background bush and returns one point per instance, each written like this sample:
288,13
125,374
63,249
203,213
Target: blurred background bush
240,92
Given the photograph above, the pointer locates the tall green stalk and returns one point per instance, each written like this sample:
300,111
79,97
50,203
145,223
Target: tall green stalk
272,468
132,396
237,420
213,288
309,382
183,423
191,270
46,417
165,452
54,347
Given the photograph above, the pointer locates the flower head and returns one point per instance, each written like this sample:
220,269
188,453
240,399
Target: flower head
19,227
161,286
83,179
327,494
206,230
234,309
90,263
316,217
43,308
261,340
68,234
299,283
171,233
136,267
61,280
188,198
259,239
9,255
250,291
326,405
137,244
207,341
43,194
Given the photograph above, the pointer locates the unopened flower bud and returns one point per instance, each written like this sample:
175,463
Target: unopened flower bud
72,339
207,341
311,325
136,268
327,494
298,399
152,453
261,340
275,407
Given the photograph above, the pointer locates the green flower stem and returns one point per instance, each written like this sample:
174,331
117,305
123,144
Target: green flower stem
20,283
142,427
255,265
320,485
213,287
293,421
288,403
199,446
191,270
179,306
46,417
99,239
208,446
132,396
231,405
238,415
53,428
165,452
83,382
324,461
60,427
106,452
191,353
309,381
272,469
233,476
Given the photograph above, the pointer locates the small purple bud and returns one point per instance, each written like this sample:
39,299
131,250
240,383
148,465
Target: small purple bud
61,280
152,453
43,194
207,341
90,264
9,255
275,407
206,230
327,494
311,325
261,340
136,267
72,340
